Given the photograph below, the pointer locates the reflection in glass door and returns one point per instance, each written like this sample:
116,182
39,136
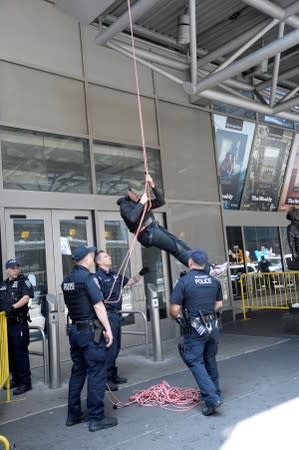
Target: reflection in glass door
43,242
26,240
73,234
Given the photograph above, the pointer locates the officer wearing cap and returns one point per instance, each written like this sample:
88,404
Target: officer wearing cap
15,293
151,234
111,284
84,300
195,300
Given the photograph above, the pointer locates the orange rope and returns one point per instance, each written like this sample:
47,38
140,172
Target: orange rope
147,189
167,397
137,90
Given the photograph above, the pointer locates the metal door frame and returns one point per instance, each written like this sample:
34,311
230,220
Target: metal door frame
54,269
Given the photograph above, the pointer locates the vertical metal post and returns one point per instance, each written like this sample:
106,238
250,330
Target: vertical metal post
53,343
155,322
193,44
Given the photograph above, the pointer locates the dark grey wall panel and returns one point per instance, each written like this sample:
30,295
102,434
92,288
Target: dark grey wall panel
37,99
34,33
188,160
114,116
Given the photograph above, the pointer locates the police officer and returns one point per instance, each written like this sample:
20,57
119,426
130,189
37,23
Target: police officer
109,279
15,293
196,298
88,341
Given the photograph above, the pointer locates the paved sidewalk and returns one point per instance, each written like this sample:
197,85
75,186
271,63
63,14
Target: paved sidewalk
253,379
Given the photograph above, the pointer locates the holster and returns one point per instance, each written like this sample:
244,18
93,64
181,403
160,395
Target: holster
98,331
183,324
181,349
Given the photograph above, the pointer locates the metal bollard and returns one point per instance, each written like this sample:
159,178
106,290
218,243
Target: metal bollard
155,321
53,343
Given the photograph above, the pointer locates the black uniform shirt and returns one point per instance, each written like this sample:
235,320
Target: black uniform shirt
11,291
81,290
197,290
106,280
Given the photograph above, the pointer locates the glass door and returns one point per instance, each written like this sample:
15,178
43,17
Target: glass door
114,238
43,242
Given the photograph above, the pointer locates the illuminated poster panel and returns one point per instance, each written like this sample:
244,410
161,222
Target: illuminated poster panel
266,168
290,191
233,143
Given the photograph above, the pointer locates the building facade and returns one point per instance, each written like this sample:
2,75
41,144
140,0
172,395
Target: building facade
70,142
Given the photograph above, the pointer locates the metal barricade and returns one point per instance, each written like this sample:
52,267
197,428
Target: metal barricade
44,353
271,290
141,333
4,365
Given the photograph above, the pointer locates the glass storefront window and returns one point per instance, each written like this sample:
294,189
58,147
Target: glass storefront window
264,241
42,162
116,165
236,258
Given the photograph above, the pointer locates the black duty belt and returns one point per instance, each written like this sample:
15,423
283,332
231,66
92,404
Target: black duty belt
209,316
116,311
83,324
15,320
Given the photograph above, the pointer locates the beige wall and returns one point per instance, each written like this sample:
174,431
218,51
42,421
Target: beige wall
111,69
32,98
187,153
48,84
33,32
114,116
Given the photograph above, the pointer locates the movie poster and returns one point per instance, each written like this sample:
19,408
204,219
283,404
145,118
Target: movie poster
290,191
266,168
233,143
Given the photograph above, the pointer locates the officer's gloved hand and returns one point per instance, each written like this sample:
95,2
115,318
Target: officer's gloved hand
143,271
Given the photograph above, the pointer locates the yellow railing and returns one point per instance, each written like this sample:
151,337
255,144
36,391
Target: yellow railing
4,368
272,290
5,442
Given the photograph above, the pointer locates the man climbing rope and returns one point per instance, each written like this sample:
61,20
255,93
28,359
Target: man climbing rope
151,234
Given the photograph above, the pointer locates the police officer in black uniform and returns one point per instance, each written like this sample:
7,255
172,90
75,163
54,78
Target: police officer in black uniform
15,293
195,300
151,234
109,279
89,334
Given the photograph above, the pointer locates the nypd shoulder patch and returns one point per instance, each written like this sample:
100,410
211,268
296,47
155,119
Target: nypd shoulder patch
96,281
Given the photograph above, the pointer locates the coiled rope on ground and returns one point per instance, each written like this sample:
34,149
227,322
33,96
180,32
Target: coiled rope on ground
171,398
